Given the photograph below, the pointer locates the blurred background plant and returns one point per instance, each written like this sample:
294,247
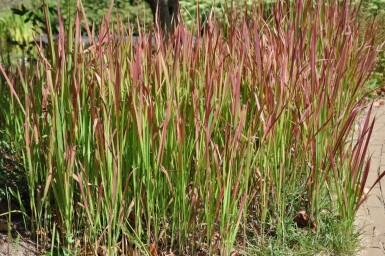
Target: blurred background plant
22,21
373,12
374,6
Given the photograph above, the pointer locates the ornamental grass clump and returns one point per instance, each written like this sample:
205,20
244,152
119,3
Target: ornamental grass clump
214,143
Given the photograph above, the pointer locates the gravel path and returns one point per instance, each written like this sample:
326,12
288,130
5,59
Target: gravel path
371,216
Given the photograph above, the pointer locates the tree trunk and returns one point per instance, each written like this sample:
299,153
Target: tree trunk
166,11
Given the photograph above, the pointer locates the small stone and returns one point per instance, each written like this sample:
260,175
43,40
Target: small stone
378,103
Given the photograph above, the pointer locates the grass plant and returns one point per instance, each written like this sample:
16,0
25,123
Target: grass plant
235,141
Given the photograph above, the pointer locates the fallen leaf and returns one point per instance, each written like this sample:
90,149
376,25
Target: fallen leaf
303,220
153,251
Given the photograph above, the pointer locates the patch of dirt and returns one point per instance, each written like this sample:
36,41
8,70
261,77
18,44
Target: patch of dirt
14,239
16,246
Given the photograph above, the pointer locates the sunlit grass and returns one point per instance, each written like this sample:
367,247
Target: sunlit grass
194,144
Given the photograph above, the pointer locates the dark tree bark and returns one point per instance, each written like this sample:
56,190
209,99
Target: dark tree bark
167,11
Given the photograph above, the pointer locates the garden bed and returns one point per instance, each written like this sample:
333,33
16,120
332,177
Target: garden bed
239,145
